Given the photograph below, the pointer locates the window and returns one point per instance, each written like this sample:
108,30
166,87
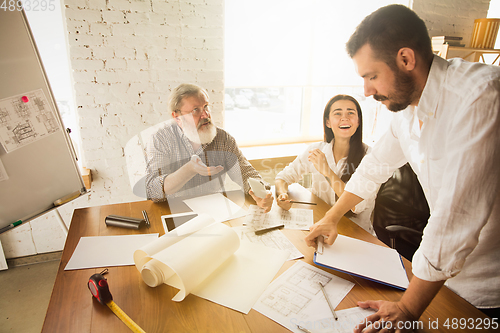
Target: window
47,27
284,59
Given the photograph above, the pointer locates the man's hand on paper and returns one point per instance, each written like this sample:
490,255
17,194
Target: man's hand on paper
265,203
284,201
200,168
327,226
324,227
390,317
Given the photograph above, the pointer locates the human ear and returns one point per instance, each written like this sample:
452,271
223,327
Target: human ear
177,119
406,58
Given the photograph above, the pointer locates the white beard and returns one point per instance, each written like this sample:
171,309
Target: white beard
207,134
198,135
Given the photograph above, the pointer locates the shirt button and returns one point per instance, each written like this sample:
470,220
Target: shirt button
422,161
430,114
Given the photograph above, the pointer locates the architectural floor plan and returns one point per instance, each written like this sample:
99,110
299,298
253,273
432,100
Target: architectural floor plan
295,297
295,218
275,239
25,118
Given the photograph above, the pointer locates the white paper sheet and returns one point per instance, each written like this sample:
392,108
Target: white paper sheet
348,320
274,239
3,261
295,218
296,297
211,263
197,223
105,251
364,259
217,206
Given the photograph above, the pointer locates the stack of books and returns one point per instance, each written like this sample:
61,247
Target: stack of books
437,41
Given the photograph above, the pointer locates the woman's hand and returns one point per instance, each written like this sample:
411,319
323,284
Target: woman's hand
284,201
318,159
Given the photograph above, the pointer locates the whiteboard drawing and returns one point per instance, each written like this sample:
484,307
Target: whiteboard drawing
25,118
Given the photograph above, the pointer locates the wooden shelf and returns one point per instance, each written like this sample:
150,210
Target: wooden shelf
468,53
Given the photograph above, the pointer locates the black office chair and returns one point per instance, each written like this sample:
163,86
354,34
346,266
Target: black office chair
401,212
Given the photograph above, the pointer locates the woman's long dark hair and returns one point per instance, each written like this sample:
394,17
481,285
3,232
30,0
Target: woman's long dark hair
356,147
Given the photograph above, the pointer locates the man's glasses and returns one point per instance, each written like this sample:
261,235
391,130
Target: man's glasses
198,111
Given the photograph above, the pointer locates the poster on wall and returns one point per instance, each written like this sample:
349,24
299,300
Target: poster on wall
24,119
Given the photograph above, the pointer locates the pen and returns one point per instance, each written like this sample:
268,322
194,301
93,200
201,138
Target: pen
145,214
319,249
10,226
328,301
303,202
303,329
263,231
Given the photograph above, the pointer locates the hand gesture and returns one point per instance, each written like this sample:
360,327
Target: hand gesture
200,168
318,159
265,203
283,201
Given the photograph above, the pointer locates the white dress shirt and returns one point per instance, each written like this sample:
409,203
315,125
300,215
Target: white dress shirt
321,187
456,157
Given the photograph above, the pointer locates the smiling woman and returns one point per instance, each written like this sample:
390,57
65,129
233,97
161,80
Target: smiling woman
332,162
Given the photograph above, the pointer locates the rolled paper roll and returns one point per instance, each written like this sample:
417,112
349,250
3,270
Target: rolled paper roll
184,262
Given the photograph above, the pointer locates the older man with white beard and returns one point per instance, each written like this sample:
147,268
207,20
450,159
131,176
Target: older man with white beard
189,155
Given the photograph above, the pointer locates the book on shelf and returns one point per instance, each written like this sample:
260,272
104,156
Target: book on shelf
447,38
450,40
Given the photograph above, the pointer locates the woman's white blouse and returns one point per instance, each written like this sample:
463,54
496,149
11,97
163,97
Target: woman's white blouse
294,172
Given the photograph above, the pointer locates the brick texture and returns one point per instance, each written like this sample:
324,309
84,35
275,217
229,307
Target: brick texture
126,58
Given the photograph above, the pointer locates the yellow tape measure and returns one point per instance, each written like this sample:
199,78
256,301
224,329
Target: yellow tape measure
99,288
123,317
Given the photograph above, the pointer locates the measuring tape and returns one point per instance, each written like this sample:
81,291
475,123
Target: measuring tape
99,288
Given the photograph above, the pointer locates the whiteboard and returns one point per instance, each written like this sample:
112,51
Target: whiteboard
37,162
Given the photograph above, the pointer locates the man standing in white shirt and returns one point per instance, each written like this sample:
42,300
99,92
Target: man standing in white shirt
446,127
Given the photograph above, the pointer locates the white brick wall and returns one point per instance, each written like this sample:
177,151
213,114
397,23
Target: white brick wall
128,55
451,17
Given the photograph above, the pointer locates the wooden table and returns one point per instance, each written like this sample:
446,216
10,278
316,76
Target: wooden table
73,309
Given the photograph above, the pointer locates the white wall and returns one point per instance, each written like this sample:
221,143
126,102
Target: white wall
127,56
451,17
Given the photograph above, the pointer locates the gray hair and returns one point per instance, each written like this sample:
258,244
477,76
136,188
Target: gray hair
181,91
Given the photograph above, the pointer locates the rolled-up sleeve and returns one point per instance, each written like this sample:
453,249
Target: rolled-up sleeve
156,153
293,172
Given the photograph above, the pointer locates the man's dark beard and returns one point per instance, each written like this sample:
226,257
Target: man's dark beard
403,94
